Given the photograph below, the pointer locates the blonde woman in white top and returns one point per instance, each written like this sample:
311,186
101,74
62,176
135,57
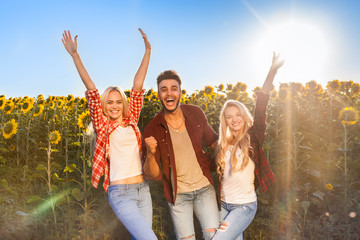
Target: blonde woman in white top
241,162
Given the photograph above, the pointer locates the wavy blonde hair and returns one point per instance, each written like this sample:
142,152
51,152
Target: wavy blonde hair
226,137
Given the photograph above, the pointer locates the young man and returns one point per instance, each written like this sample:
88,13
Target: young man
174,153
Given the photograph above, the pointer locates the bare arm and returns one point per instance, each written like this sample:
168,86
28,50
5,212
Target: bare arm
71,47
276,64
141,73
151,167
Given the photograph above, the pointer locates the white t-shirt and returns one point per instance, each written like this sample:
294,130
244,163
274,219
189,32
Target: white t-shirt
238,187
124,154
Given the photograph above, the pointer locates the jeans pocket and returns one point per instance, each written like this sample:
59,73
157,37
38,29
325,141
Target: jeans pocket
116,195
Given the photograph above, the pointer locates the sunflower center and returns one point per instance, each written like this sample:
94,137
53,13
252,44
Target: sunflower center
8,128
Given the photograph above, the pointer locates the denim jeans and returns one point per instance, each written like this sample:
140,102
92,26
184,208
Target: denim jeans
237,217
132,205
203,203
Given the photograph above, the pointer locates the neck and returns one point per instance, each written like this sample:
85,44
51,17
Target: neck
172,116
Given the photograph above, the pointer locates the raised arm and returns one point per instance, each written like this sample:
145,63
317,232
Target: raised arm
141,73
276,64
71,48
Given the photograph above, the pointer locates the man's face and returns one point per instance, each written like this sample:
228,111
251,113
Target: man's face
169,94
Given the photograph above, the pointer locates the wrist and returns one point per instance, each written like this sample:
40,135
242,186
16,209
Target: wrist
75,55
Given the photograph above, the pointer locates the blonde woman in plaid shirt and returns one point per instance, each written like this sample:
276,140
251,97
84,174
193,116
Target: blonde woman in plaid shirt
118,145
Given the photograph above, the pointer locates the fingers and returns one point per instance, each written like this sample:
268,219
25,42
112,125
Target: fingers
142,33
150,141
151,144
67,36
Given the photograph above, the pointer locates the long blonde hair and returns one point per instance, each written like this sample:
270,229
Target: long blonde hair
226,137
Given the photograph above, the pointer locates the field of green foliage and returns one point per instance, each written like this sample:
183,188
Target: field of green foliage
312,143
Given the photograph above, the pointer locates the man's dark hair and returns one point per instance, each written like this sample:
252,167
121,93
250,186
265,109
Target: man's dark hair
168,74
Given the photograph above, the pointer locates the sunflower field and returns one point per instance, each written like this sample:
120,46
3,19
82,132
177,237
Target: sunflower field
312,143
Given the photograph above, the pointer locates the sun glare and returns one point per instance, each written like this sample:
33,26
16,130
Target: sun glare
302,45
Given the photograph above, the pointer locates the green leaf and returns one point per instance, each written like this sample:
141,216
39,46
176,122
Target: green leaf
4,184
3,150
54,150
77,194
34,199
56,177
70,168
305,205
77,144
40,167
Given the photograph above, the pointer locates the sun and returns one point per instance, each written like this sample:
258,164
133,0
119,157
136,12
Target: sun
301,44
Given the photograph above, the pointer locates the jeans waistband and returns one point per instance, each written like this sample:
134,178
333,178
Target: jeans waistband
129,186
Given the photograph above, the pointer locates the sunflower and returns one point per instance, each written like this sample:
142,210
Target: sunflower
54,137
220,87
183,92
9,129
82,102
26,106
203,106
51,104
229,87
208,90
38,110
329,186
349,116
60,103
355,88
12,147
70,98
149,92
2,103
9,107
284,92
84,119
333,86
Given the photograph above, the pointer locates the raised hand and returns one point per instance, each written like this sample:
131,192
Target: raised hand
141,73
151,145
276,62
147,44
71,47
69,44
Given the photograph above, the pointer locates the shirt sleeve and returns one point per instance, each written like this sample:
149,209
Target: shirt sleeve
135,104
209,135
96,114
259,126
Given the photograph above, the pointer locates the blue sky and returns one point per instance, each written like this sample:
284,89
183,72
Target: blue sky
207,42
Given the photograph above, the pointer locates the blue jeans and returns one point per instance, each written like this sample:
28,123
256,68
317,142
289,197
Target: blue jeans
132,205
203,202
235,219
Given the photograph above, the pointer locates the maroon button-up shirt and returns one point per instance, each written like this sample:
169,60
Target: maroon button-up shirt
200,132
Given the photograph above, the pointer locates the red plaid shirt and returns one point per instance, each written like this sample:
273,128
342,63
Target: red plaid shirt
104,127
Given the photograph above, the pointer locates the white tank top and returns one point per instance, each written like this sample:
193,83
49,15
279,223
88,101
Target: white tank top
124,154
238,188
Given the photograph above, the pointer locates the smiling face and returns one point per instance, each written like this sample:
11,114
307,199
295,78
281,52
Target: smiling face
114,106
233,119
169,94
